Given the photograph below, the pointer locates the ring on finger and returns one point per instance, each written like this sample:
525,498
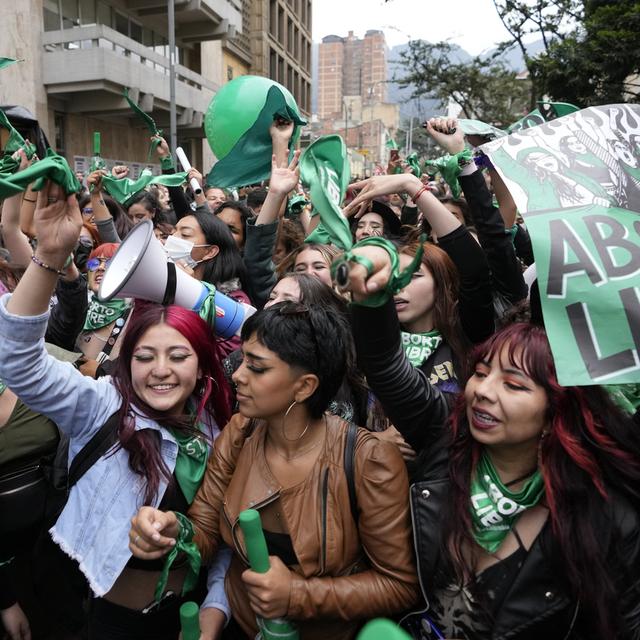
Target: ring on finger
135,540
50,200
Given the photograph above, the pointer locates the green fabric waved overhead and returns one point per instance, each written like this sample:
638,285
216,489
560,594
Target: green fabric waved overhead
5,62
124,189
53,167
324,170
237,126
8,164
148,121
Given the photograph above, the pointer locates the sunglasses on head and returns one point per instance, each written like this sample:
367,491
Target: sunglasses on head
94,263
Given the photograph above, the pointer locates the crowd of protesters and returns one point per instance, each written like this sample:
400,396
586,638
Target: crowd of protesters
393,412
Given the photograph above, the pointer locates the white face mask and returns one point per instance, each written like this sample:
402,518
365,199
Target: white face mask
179,249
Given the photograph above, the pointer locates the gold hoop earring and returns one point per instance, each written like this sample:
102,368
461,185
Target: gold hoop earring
284,427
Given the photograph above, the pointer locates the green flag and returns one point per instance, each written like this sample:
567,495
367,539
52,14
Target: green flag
324,170
576,181
8,164
5,62
391,144
125,189
237,126
413,162
479,128
546,111
148,121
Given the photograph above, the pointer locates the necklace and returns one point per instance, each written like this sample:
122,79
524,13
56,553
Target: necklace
297,455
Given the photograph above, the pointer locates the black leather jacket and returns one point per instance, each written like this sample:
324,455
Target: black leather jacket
539,604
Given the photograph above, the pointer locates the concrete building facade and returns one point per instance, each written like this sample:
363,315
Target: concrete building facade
79,56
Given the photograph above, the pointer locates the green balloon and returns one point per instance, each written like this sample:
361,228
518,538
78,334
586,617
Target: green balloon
235,108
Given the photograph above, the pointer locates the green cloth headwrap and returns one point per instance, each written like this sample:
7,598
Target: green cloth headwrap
324,170
101,314
413,162
248,161
397,281
418,347
148,121
190,463
5,62
626,396
52,167
125,189
184,545
495,509
449,167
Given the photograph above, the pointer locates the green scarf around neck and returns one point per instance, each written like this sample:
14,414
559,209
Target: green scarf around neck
418,347
495,509
191,462
101,314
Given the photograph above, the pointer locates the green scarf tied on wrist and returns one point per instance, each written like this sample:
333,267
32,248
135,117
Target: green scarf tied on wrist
398,280
495,509
418,347
125,189
184,545
53,167
450,167
100,314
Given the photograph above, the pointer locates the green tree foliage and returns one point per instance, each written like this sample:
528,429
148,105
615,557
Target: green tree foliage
599,62
485,88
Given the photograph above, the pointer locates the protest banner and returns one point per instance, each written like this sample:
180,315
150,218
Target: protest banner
576,181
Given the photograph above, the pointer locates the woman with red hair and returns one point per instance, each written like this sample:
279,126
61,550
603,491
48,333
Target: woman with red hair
525,507
165,404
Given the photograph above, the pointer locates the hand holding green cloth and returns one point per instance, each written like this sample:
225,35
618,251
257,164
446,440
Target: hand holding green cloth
237,126
124,189
324,170
53,167
9,164
148,121
184,545
449,167
413,162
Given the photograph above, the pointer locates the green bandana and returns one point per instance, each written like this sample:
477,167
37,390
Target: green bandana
414,163
449,167
184,545
101,314
53,167
494,509
190,463
324,170
418,347
125,189
149,122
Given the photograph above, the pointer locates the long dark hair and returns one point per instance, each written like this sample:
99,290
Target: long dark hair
214,396
592,449
228,263
446,318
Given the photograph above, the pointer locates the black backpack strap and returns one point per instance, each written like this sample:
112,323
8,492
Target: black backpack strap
99,444
349,468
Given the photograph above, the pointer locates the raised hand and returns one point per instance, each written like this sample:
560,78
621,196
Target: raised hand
95,178
163,148
438,129
281,131
380,186
284,179
57,221
119,171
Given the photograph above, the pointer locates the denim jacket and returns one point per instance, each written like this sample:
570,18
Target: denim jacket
94,525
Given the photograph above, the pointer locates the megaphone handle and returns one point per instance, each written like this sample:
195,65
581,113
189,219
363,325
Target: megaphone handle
170,289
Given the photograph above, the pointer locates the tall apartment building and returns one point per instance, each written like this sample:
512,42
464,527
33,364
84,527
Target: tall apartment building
79,55
351,67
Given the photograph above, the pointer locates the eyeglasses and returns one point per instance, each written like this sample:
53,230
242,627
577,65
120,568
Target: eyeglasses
87,211
94,263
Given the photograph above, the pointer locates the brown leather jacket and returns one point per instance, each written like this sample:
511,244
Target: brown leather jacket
346,572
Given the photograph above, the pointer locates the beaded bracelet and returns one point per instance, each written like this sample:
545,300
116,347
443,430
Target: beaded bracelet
46,266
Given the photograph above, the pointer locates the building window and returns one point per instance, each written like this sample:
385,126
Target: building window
289,35
273,18
105,16
273,65
58,120
70,14
51,14
281,32
229,72
87,12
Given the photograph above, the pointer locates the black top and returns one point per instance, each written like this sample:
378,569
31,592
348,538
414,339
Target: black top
279,544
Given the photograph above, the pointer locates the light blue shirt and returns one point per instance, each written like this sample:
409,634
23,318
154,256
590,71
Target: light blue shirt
94,525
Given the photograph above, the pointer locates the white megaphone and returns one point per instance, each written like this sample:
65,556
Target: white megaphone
140,268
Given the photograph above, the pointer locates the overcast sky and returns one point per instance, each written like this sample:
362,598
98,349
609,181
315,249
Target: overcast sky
472,24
